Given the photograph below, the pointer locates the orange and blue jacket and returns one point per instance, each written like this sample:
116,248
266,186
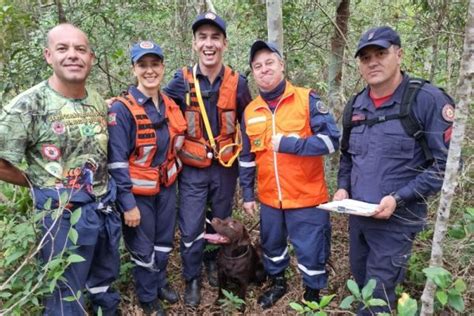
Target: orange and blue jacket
293,176
143,142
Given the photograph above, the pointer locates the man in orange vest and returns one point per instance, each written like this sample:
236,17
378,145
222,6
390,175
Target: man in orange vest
212,92
285,132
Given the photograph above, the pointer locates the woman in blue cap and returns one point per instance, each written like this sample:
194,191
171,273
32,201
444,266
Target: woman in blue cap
146,129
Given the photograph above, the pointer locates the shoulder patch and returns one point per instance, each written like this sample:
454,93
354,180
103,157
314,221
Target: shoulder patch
321,107
448,112
112,119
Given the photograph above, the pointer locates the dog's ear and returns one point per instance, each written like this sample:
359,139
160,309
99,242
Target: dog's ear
245,239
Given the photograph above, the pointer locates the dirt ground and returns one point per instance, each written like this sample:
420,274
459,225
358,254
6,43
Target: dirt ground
338,274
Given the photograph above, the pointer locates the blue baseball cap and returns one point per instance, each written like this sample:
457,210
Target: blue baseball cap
209,18
383,36
143,48
259,45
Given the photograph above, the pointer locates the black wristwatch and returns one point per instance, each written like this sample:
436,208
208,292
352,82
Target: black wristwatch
400,202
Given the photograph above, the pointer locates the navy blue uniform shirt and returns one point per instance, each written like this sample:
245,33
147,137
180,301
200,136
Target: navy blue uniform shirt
383,159
122,135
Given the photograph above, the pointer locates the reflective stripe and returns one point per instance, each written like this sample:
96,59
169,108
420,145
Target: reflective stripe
179,162
189,244
163,249
172,171
97,289
229,118
257,119
310,272
178,143
118,165
279,258
144,183
247,164
145,264
146,154
327,141
191,120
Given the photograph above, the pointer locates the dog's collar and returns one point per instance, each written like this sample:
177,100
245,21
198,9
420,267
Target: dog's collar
239,256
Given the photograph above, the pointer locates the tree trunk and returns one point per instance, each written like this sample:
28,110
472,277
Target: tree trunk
275,23
464,95
338,43
61,14
440,16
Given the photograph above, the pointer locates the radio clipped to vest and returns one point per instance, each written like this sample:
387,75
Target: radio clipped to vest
197,151
146,179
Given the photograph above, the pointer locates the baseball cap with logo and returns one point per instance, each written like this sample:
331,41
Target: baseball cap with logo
209,18
143,48
259,45
383,36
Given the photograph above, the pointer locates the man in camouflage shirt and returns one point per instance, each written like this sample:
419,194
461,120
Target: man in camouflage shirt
59,128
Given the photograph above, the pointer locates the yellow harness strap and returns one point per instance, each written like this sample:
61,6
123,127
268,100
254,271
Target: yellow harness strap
207,125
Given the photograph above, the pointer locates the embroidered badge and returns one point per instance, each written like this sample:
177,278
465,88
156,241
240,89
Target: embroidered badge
447,134
97,129
58,127
112,119
257,142
87,130
357,117
322,108
210,16
146,45
51,152
448,112
55,169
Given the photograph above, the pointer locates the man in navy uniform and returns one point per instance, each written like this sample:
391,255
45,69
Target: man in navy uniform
384,165
210,173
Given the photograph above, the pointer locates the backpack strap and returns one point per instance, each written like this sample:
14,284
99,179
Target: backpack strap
347,122
407,118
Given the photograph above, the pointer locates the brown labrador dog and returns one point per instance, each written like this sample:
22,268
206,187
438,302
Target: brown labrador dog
238,261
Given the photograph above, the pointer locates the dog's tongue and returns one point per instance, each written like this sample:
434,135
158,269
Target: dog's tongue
216,238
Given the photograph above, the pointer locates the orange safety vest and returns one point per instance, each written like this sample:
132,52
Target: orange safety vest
196,150
285,181
146,179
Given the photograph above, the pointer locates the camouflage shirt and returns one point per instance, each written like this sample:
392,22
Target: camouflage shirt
64,141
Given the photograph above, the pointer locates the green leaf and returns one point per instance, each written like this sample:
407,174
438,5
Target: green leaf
75,258
297,307
325,300
459,285
347,302
406,306
5,294
440,276
320,313
442,297
13,257
99,311
75,216
69,298
52,285
354,288
73,235
47,204
456,302
63,199
368,289
376,302
313,305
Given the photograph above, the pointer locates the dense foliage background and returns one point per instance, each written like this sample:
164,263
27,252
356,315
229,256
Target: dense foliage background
432,37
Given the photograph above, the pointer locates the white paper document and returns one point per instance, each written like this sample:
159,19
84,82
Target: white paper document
350,206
